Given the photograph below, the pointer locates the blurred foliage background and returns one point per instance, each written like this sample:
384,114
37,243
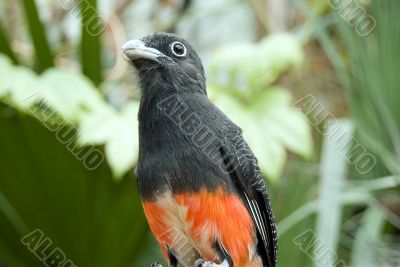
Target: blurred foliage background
313,83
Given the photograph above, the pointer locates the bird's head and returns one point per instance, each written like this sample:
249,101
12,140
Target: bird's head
164,60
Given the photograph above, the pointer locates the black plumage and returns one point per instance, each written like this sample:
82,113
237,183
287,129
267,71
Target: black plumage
186,142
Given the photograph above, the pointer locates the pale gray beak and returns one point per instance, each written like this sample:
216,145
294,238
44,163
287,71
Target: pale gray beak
136,49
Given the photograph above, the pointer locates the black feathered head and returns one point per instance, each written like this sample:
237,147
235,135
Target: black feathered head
165,59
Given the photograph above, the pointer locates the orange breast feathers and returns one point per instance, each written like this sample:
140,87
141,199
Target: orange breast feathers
193,223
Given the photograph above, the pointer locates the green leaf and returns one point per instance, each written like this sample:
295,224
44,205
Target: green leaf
6,69
250,67
93,220
92,28
279,52
123,144
70,94
333,173
9,212
371,82
24,85
367,240
270,125
97,127
240,75
18,84
37,32
118,131
77,102
67,93
285,123
5,45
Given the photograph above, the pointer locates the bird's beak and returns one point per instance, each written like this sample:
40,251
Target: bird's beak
136,49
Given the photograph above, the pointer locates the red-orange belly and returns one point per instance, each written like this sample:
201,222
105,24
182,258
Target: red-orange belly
190,224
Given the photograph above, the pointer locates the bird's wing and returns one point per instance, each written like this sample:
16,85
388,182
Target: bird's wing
243,169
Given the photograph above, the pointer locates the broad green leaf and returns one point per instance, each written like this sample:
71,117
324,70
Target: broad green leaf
270,126
250,67
93,220
24,85
118,131
97,127
123,144
70,94
274,108
289,126
281,51
18,85
270,153
78,103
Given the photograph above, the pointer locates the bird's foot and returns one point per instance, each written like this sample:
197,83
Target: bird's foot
203,263
156,264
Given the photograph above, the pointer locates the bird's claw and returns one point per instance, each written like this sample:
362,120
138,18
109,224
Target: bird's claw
156,264
203,263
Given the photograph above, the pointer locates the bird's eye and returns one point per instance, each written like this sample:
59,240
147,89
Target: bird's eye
178,49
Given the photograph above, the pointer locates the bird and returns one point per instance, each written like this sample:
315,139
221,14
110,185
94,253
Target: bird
201,188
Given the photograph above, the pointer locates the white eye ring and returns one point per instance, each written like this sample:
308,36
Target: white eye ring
176,53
